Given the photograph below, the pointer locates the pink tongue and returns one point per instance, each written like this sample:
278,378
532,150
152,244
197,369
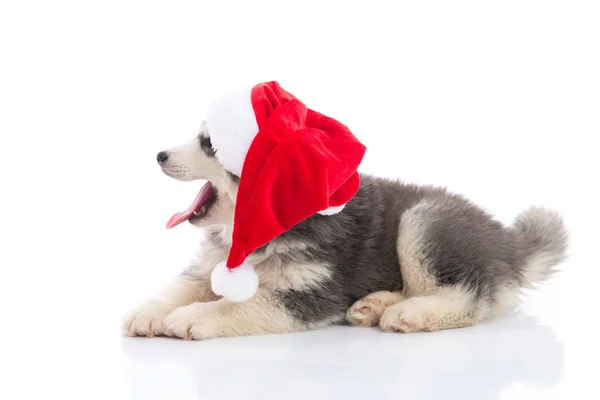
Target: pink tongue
204,196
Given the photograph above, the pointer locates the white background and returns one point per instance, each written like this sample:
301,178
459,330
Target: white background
497,100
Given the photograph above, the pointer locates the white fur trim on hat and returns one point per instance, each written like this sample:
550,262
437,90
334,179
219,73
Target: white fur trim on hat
232,126
237,284
332,210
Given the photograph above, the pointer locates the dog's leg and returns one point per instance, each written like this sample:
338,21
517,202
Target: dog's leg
449,309
367,311
259,315
147,320
448,257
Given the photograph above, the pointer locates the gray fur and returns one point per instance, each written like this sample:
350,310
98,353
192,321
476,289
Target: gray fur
465,246
542,235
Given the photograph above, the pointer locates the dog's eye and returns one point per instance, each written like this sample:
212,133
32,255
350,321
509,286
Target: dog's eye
207,146
205,142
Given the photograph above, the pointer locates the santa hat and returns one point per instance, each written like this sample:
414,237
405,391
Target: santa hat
293,163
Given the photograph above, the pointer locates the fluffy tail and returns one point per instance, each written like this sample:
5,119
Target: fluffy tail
544,236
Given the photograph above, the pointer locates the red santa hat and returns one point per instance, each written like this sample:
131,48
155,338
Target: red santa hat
293,163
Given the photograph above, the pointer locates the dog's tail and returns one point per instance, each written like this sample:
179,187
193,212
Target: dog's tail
544,238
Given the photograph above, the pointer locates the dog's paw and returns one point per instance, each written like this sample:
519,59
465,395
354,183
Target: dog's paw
404,318
191,322
146,320
367,311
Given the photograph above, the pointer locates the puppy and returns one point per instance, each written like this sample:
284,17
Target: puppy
407,258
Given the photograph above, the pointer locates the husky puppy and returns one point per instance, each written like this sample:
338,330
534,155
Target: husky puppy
407,258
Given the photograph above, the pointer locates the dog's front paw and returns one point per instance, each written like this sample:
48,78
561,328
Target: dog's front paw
191,322
147,320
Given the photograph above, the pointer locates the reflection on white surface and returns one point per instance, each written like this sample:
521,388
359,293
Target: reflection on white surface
342,362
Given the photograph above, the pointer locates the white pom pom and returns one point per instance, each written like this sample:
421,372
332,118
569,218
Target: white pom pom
237,284
332,210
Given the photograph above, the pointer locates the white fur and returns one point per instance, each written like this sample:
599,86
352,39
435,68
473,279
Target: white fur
188,162
237,284
332,210
147,319
232,124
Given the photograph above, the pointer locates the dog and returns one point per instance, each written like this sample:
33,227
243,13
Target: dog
403,257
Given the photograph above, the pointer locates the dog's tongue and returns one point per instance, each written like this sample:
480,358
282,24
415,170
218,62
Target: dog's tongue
202,198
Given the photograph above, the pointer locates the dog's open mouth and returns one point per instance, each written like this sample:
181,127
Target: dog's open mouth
199,207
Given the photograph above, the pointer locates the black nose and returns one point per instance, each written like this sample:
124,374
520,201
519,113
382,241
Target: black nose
162,157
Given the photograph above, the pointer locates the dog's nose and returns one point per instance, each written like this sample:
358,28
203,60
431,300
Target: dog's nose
162,157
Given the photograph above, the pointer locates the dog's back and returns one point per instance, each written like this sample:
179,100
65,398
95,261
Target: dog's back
421,241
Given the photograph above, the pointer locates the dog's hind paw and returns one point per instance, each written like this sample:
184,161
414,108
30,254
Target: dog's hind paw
367,311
